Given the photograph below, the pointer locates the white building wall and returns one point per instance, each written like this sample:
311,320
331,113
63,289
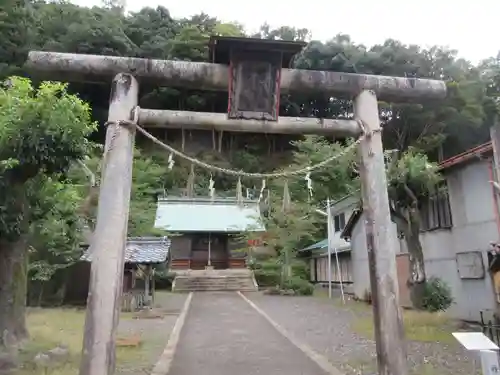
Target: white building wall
474,227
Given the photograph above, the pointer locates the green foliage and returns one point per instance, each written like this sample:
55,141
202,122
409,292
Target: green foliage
334,181
269,274
286,231
56,230
411,176
41,133
49,124
437,295
267,277
148,182
147,185
271,279
282,33
300,286
270,265
301,269
164,279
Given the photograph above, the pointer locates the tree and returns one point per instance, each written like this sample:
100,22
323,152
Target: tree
288,230
490,74
283,33
115,4
149,179
412,179
57,232
41,133
147,185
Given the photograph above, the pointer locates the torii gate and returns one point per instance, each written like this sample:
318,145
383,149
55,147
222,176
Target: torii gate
253,106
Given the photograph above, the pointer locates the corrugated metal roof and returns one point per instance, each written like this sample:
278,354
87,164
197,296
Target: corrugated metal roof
466,156
322,246
205,215
142,250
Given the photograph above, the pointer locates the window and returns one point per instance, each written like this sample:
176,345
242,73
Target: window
435,211
339,222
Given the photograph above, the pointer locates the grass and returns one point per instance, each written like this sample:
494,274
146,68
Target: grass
426,369
49,328
367,365
419,326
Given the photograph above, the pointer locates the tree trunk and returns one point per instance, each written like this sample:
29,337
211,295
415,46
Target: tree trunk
13,289
417,266
408,222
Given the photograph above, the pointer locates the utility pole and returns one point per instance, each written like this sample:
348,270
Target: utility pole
330,230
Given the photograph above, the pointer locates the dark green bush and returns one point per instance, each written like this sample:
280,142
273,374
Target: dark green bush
300,286
164,279
253,264
266,278
268,274
437,295
270,265
301,269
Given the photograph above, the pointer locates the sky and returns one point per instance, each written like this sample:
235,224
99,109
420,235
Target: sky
461,25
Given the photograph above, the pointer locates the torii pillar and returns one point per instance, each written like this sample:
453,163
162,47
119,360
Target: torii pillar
252,71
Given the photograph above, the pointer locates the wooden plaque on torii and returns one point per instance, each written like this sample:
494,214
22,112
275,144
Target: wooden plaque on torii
254,74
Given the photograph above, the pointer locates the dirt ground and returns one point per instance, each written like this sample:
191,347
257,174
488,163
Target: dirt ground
344,334
50,328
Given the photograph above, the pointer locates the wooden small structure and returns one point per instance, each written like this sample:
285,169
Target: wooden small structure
141,254
317,255
206,230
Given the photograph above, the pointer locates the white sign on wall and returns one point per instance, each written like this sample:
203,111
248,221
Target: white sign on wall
470,265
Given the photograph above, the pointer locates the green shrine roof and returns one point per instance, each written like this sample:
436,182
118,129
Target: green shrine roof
207,215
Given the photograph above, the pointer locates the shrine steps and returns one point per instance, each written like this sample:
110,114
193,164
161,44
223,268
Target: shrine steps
214,280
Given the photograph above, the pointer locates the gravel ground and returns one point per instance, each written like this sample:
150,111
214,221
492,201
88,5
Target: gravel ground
327,328
224,335
154,334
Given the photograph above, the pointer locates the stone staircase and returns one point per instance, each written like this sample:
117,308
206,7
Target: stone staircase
214,280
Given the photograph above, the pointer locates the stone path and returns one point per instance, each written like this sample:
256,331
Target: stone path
224,335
